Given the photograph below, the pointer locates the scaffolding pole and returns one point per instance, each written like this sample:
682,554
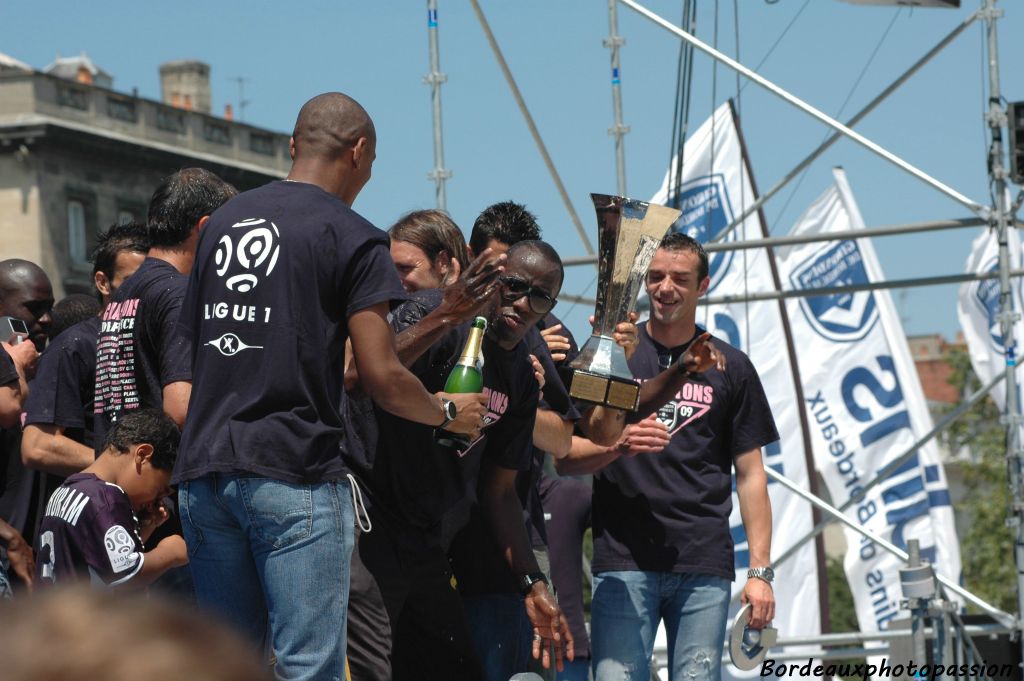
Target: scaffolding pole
1007,317
830,290
807,108
792,240
434,79
882,96
614,42
889,468
1003,617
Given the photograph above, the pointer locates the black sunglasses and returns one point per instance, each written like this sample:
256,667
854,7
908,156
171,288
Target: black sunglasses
516,288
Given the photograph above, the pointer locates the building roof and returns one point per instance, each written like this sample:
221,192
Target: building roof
9,62
68,67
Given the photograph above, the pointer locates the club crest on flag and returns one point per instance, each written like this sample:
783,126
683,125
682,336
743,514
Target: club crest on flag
707,211
841,317
986,297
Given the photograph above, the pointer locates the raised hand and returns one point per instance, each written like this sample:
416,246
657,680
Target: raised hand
558,344
471,292
702,355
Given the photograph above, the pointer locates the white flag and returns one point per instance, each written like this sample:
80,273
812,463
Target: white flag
715,189
978,309
866,407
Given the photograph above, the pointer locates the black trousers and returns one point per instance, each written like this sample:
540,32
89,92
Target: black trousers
405,620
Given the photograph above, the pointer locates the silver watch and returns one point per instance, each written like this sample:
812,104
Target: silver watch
765,573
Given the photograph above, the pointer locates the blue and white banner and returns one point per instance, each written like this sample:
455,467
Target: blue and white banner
716,187
978,310
866,407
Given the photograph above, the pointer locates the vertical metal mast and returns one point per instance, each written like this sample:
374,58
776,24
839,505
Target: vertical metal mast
613,43
1000,219
434,79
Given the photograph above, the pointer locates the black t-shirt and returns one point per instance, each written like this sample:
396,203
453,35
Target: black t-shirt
278,272
63,389
413,479
89,532
20,487
477,560
567,509
529,488
140,349
669,512
8,372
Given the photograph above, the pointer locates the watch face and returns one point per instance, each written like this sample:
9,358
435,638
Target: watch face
449,410
769,574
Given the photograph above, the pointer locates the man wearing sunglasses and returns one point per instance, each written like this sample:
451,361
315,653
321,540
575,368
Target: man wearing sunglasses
414,485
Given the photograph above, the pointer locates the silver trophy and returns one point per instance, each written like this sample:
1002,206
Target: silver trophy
629,233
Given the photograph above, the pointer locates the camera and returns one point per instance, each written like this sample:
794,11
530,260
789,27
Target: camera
13,330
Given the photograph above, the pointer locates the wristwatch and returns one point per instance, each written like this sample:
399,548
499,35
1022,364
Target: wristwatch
449,411
527,581
766,574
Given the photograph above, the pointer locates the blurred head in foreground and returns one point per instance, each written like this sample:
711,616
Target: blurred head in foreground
83,634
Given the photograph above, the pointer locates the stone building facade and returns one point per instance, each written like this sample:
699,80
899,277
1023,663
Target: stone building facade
76,157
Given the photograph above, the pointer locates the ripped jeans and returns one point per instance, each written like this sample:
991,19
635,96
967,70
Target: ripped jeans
625,611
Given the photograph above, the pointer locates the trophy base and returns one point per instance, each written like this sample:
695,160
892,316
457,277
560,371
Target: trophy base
611,391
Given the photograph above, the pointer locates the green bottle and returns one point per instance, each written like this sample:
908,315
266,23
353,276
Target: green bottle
466,377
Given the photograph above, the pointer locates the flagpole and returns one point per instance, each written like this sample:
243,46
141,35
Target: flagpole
798,386
1007,317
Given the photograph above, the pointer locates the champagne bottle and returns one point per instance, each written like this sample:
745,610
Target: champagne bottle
466,377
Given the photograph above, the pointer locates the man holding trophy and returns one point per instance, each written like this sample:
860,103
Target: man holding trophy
662,545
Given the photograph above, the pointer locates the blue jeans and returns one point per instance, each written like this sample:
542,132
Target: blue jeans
502,633
577,670
267,554
625,611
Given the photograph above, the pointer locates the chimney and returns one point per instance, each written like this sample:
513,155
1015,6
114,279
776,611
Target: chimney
229,114
186,81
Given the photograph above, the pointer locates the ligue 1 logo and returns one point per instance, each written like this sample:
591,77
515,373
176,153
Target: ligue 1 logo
840,317
706,213
255,251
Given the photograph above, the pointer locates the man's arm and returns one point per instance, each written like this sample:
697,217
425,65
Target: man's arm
44,447
585,457
14,392
176,397
756,512
462,301
501,504
701,356
393,387
552,433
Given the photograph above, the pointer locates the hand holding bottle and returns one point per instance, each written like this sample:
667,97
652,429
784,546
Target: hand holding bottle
471,408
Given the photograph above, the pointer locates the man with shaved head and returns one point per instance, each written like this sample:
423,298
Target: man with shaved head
284,274
25,293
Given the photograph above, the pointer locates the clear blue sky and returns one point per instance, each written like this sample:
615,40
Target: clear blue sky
377,52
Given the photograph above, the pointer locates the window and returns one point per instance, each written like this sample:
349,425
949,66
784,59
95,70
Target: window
170,120
261,143
77,236
121,109
73,97
216,132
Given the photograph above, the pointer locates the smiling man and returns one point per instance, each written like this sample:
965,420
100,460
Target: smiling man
662,546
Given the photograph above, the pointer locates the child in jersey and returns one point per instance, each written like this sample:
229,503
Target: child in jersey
96,523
